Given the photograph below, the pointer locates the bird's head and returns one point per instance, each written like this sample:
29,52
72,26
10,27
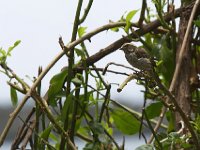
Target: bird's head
128,48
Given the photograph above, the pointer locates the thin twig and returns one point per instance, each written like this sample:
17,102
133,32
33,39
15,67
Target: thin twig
152,130
116,64
113,140
142,14
87,9
16,87
107,97
31,126
128,79
102,70
18,137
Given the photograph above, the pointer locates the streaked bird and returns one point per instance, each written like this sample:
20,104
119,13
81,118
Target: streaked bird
137,57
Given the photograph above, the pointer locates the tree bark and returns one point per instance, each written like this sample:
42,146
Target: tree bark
182,87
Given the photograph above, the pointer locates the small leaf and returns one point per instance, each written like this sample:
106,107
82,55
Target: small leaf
96,127
13,95
53,137
159,63
84,131
197,23
56,84
128,19
153,110
125,122
126,28
76,81
80,52
2,52
81,31
3,55
145,147
171,119
67,107
116,29
130,15
12,47
45,134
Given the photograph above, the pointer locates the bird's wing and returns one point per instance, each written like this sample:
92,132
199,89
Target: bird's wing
141,53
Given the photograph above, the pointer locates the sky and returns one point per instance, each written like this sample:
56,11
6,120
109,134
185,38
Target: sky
38,24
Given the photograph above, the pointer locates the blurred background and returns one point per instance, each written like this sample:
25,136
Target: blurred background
38,24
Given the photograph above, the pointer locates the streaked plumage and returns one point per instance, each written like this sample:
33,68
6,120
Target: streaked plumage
137,57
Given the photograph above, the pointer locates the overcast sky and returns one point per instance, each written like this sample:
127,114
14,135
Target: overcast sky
39,23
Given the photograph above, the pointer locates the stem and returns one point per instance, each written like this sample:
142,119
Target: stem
37,113
105,102
70,76
142,14
152,130
86,12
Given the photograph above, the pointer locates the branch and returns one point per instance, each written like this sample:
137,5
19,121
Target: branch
116,64
107,97
128,79
86,11
140,32
182,50
142,14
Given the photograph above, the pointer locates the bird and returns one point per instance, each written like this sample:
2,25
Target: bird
137,57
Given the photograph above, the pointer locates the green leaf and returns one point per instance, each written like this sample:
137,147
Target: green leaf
13,95
93,146
56,84
76,81
171,119
116,29
166,55
83,131
154,110
45,134
124,121
145,147
80,52
81,31
2,52
67,107
3,55
96,127
197,23
126,29
12,47
53,137
129,16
